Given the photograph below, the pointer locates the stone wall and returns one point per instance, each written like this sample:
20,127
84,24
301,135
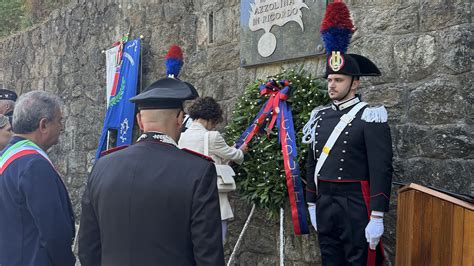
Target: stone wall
424,49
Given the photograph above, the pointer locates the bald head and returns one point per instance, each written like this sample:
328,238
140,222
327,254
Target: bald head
168,121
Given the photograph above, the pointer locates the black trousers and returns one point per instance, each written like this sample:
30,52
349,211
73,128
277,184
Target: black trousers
342,215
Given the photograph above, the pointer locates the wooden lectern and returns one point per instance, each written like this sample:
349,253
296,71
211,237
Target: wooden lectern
433,228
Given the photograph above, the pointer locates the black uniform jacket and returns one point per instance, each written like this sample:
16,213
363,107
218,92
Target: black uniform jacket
363,152
151,204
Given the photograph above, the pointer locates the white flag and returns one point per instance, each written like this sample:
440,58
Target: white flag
111,65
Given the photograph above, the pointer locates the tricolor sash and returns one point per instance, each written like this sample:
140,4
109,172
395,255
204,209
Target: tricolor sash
20,149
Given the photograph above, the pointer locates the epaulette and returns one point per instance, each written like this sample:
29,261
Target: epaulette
198,154
112,150
316,110
376,114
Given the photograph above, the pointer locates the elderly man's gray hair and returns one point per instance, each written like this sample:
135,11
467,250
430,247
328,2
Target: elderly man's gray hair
31,108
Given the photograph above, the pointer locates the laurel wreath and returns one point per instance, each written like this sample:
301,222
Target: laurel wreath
261,178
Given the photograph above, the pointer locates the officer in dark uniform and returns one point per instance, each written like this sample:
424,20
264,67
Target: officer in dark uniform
7,103
152,203
349,166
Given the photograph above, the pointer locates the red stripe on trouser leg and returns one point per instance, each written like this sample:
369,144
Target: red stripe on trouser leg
371,254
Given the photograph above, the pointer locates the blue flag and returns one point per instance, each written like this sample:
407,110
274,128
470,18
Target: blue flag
121,112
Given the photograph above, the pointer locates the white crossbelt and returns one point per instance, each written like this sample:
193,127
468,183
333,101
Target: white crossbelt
345,120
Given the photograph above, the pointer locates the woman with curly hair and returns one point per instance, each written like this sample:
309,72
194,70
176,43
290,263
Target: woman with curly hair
206,114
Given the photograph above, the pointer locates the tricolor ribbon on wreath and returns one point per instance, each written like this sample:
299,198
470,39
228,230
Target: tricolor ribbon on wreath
276,110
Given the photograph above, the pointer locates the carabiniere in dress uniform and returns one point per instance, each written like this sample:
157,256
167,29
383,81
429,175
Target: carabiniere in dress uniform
349,163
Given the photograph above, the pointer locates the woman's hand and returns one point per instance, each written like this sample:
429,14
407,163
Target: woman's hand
244,148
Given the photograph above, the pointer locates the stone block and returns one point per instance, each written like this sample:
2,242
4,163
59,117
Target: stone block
456,48
415,56
468,93
36,37
224,57
369,3
392,96
76,162
453,175
202,32
188,29
224,23
56,65
196,65
51,84
436,102
249,258
205,6
174,12
246,76
437,142
300,250
435,15
79,13
386,19
70,64
69,82
40,85
25,71
222,85
380,50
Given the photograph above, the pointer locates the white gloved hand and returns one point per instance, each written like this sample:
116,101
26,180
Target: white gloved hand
312,215
373,232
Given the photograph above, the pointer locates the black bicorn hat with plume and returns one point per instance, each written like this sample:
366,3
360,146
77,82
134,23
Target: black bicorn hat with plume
336,30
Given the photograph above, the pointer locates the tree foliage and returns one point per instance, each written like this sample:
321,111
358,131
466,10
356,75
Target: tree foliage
16,15
12,16
261,178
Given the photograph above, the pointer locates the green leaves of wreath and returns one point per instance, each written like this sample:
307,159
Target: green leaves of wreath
261,178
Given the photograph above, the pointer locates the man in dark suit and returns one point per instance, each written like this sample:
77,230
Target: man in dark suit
152,203
36,218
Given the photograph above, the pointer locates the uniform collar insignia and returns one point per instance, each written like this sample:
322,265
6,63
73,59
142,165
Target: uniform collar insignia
346,104
157,136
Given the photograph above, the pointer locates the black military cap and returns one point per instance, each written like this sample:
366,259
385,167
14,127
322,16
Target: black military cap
165,93
351,65
7,95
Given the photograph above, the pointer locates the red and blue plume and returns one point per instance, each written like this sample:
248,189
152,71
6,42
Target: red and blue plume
337,28
174,61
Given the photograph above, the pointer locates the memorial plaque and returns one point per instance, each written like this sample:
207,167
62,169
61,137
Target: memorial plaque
277,30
